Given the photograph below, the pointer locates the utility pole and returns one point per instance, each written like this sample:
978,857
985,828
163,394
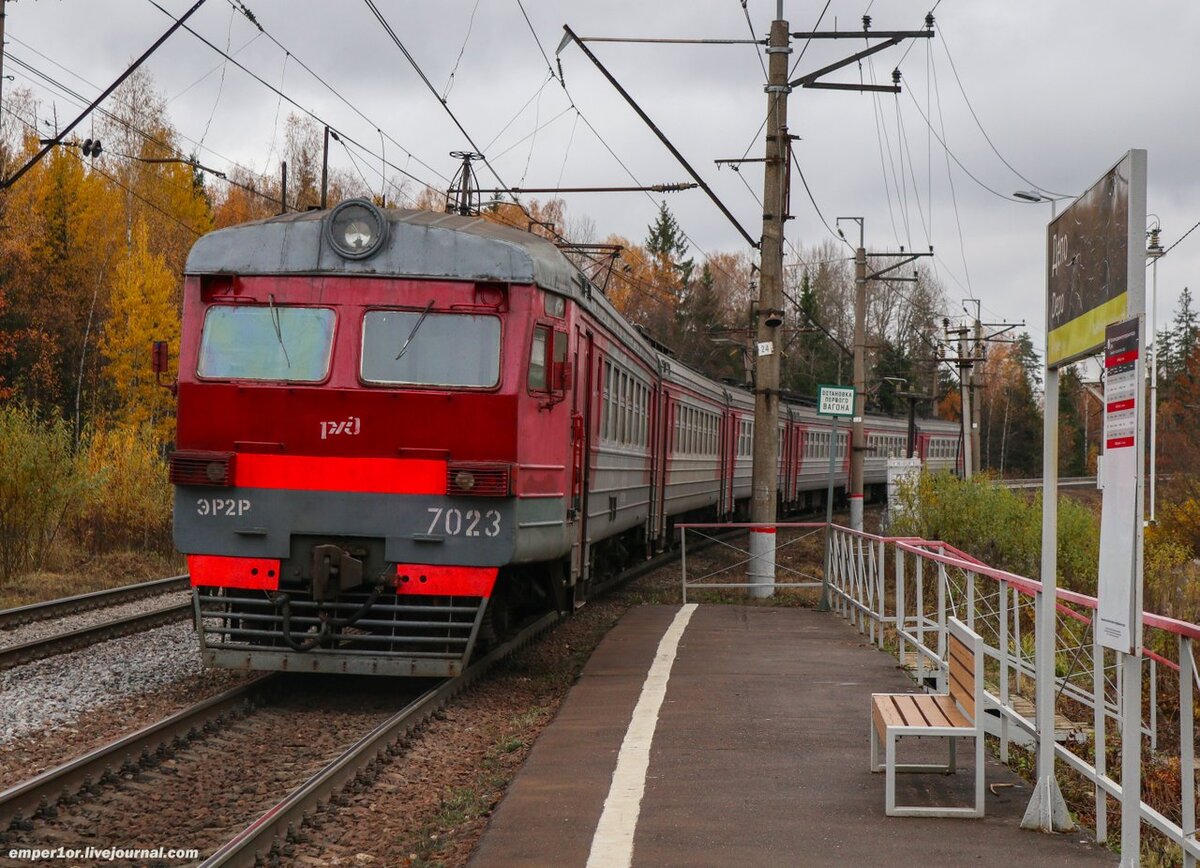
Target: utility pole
770,315
964,384
857,435
2,15
976,382
858,438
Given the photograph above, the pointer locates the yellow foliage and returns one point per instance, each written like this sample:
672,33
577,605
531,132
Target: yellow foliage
142,310
130,504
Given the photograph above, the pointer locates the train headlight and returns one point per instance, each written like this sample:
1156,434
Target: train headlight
356,229
464,480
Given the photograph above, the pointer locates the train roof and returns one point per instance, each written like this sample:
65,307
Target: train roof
420,244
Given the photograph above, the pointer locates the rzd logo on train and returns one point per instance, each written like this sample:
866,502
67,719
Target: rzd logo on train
351,426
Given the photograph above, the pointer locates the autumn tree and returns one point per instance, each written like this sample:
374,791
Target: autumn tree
1011,422
142,311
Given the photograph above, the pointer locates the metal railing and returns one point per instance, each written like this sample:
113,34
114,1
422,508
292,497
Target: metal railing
717,576
902,590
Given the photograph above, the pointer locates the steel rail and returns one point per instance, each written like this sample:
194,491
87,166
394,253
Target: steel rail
71,640
144,748
86,602
279,822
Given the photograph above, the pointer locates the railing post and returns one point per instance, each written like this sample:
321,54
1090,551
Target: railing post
1099,719
920,619
860,590
1002,641
900,605
1187,746
971,601
683,559
881,578
941,625
1153,705
1020,651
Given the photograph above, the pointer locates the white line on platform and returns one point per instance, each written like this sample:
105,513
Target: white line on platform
612,845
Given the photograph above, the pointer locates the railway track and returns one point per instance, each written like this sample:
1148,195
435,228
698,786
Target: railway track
80,637
39,796
85,602
132,760
131,756
276,827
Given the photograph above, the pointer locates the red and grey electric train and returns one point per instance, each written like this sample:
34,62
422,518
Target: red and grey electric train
399,429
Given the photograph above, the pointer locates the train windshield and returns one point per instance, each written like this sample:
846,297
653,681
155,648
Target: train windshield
419,348
272,342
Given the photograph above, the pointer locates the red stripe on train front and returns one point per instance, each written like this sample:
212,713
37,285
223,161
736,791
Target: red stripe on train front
445,581
215,571
365,475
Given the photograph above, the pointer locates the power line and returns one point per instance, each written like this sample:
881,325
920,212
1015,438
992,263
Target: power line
113,179
978,123
950,177
337,93
387,28
71,94
288,99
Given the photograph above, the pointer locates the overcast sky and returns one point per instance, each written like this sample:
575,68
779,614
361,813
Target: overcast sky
1063,89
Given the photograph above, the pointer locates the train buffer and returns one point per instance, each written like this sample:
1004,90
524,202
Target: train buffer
737,735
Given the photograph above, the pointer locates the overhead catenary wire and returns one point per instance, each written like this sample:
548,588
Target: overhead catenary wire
153,205
81,100
288,99
950,178
979,123
336,93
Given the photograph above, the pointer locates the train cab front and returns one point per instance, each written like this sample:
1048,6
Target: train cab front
345,451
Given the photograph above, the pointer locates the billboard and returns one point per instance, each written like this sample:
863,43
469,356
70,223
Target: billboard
1096,262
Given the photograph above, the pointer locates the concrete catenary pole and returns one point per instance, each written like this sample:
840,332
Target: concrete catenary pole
858,445
964,382
2,14
976,392
765,477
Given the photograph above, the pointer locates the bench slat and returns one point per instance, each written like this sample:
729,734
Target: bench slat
932,710
953,715
964,693
910,710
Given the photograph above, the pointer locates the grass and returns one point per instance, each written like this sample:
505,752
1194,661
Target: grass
67,577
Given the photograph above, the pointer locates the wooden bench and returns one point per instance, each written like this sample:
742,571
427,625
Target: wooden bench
952,715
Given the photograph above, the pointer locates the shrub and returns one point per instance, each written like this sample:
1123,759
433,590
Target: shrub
130,505
1000,526
41,483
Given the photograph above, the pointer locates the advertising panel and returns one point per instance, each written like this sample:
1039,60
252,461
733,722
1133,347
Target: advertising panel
1096,262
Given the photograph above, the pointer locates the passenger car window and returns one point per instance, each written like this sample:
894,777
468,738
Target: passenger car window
537,359
275,342
445,349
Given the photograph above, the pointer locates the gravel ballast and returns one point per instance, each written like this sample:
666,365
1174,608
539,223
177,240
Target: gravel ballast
58,690
56,626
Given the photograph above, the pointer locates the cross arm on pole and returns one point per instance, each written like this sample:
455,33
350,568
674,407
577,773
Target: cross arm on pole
571,36
908,257
807,80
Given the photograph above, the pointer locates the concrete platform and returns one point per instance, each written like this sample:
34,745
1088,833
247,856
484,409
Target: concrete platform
759,757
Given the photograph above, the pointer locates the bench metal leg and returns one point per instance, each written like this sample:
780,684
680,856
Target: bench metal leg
979,782
891,768
875,766
889,804
952,766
